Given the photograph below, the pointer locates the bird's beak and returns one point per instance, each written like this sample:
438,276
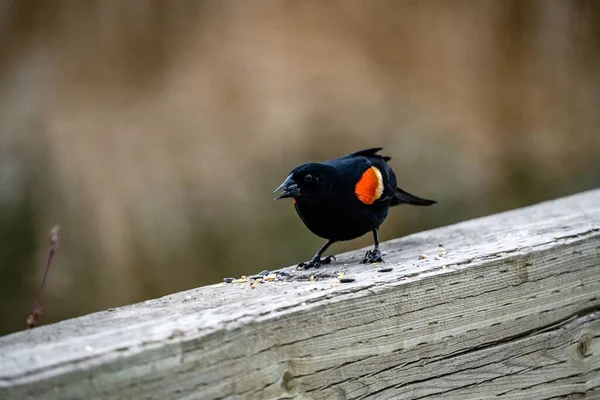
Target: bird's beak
290,188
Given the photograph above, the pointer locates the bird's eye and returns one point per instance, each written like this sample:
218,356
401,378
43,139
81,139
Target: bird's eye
308,177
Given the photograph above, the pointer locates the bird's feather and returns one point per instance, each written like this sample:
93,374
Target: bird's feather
372,152
402,197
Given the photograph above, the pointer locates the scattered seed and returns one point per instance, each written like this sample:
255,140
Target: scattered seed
445,267
228,280
442,250
347,280
270,277
436,258
333,285
341,275
422,256
385,270
312,278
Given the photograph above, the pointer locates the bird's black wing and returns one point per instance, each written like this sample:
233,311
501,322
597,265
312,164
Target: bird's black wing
392,194
355,164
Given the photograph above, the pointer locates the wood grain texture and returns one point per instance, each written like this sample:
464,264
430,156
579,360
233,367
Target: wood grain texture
511,309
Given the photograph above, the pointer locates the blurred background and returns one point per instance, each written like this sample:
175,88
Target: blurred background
154,132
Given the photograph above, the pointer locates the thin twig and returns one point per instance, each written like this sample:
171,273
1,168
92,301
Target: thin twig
33,319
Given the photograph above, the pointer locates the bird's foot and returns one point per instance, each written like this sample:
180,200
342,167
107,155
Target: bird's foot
372,256
315,262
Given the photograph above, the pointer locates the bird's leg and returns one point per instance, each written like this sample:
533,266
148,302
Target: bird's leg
317,261
373,256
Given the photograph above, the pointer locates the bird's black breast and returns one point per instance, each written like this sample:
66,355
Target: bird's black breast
341,218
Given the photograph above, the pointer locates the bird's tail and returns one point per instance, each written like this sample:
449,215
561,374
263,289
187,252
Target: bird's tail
402,197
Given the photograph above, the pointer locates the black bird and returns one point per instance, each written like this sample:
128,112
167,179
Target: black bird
344,198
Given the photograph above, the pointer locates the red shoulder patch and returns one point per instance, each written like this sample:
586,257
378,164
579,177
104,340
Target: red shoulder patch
370,186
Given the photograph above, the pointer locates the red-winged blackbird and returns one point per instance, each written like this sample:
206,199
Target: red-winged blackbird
345,198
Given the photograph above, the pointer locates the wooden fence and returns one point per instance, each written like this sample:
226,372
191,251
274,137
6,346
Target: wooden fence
505,306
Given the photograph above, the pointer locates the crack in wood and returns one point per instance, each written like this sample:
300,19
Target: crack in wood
428,360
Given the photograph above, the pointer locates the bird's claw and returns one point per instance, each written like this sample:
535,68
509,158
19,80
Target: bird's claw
372,256
315,262
328,259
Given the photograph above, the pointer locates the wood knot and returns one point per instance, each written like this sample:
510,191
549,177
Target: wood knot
584,347
287,382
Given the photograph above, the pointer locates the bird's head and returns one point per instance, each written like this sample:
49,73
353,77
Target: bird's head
311,181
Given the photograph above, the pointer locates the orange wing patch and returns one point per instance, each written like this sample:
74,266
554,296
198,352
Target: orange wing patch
370,186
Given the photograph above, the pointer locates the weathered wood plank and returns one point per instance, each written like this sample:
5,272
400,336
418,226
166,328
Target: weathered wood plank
509,310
